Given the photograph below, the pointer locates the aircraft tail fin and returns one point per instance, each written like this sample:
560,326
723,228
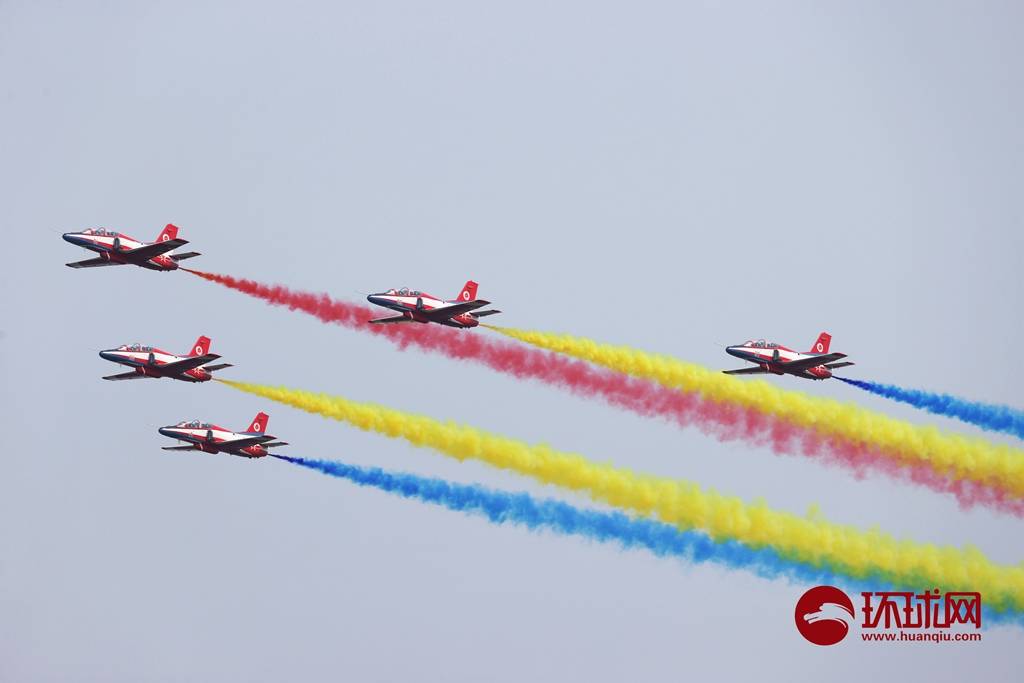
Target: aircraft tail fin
259,423
821,346
468,292
201,347
168,233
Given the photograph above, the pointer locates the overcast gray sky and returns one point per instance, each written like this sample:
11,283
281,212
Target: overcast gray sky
676,176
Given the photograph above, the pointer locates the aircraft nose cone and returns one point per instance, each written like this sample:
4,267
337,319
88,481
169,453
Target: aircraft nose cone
107,355
375,299
166,431
732,350
72,237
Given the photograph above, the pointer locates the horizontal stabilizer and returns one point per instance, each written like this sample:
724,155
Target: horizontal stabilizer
833,366
186,364
811,362
187,254
275,444
126,375
452,310
179,448
92,263
480,314
215,368
239,444
148,251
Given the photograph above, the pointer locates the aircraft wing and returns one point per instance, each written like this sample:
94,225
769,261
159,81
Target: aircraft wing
179,448
148,251
446,312
92,263
812,362
186,364
746,371
394,319
125,375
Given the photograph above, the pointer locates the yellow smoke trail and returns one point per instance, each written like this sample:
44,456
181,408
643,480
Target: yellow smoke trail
951,455
843,549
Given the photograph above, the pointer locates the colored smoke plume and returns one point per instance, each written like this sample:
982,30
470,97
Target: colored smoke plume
536,514
860,555
978,463
723,420
994,418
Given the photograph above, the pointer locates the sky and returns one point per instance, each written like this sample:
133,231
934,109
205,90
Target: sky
673,176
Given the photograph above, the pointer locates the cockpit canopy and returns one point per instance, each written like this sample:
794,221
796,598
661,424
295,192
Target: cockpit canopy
404,291
195,424
100,231
761,344
134,347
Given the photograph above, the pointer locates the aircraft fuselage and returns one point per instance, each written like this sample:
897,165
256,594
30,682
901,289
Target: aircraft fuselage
773,361
413,307
112,246
214,439
149,363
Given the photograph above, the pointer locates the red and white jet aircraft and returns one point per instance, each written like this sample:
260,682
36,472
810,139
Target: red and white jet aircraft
779,360
421,307
115,249
148,361
254,442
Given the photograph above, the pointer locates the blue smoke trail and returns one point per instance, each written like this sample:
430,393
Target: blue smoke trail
994,418
537,514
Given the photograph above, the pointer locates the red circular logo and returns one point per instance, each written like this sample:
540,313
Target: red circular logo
823,615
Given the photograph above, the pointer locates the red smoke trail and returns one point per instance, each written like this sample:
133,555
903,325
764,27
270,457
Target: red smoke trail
724,421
